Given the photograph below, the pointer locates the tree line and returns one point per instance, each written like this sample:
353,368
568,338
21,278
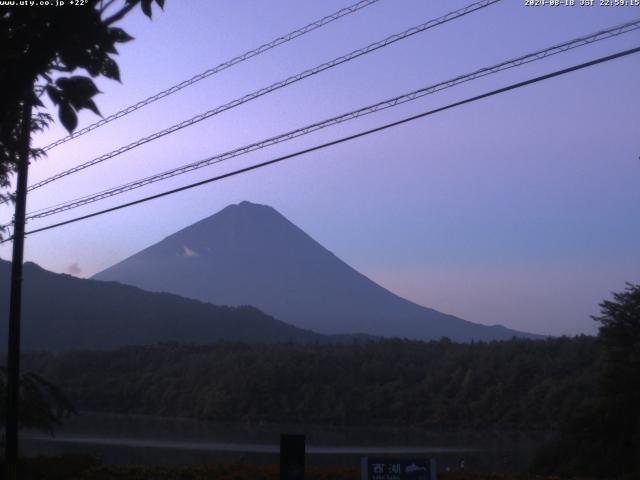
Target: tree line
512,384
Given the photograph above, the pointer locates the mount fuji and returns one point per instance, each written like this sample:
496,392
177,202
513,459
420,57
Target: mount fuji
249,254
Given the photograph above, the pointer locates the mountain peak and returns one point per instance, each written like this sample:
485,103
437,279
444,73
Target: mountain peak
250,254
245,205
238,226
243,210
248,204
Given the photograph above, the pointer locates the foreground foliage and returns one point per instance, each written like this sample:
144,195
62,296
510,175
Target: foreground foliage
78,467
43,406
602,436
41,48
514,384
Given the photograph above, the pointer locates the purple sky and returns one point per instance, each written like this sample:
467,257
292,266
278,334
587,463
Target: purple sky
521,209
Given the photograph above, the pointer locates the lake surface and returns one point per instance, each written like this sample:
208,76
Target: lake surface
125,439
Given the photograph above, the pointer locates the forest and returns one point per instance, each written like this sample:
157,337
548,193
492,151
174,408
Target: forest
586,390
517,384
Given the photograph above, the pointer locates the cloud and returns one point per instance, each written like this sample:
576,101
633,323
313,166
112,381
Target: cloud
187,252
74,269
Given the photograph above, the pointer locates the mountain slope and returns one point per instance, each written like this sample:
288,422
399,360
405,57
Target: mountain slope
62,312
251,254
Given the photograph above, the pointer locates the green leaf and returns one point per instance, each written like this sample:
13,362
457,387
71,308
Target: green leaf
54,94
68,116
146,7
110,69
78,87
119,35
110,48
91,105
77,91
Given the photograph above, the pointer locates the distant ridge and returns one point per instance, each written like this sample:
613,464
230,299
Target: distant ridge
251,254
61,312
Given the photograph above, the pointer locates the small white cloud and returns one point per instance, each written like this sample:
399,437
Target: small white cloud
188,253
74,269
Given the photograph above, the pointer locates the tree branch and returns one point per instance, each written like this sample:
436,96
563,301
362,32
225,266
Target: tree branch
119,15
104,7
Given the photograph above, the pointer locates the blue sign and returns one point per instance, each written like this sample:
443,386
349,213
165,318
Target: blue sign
398,469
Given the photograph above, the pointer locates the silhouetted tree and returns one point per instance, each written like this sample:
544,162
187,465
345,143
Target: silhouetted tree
602,436
619,336
43,405
41,48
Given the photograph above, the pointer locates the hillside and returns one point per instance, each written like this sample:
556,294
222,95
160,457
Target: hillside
62,312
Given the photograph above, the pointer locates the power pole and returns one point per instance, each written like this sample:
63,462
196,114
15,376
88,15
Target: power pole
15,303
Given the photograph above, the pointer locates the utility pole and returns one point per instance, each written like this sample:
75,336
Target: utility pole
15,303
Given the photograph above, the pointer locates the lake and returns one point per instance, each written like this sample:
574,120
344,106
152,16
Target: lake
129,439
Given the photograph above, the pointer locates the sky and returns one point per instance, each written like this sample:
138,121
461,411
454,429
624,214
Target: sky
522,209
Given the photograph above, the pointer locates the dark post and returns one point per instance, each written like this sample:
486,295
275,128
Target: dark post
13,355
292,451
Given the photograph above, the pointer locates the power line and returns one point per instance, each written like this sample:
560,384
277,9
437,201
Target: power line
342,140
217,69
265,90
389,103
